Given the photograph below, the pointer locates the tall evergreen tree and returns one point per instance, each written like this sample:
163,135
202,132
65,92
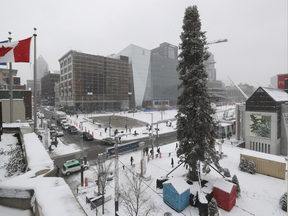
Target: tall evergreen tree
195,125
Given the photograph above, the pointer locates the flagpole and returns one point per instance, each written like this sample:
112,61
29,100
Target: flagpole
11,86
35,83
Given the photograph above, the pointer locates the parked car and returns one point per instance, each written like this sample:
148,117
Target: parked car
73,166
63,121
87,136
108,141
72,130
132,111
59,132
65,126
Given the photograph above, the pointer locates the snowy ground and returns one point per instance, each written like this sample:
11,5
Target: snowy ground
260,194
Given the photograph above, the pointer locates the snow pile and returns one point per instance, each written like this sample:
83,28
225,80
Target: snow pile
37,156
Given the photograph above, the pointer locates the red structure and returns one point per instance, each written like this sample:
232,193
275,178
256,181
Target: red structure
225,194
281,80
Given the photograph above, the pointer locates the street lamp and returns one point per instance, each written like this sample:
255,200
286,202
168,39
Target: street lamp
82,104
152,134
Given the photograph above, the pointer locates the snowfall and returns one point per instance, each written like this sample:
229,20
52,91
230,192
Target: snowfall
260,194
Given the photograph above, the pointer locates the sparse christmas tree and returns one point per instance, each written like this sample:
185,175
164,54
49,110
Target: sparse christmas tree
251,167
238,190
243,164
195,125
213,207
283,201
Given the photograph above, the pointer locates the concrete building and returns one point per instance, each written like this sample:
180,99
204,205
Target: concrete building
22,105
47,90
94,83
262,122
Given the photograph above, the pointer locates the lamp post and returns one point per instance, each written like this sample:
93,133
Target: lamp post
82,104
152,134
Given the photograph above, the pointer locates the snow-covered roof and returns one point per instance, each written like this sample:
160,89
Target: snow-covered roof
53,194
37,156
179,184
223,185
263,155
276,94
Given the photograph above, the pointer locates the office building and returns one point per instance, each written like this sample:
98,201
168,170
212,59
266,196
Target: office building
166,50
47,90
94,83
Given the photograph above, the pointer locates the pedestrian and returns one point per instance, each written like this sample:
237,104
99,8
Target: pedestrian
77,116
57,174
176,145
131,159
172,162
158,150
93,121
105,129
146,151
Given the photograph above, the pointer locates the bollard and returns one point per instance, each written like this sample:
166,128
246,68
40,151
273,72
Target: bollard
86,182
88,131
85,130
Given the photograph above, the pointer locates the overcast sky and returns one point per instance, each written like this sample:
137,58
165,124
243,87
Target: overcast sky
256,31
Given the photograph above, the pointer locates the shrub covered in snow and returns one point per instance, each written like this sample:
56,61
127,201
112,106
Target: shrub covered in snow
212,207
15,163
235,181
226,172
251,167
283,201
243,164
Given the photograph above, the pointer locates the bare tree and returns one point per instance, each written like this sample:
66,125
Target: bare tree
104,174
133,197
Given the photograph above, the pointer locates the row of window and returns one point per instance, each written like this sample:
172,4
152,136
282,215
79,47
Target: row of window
261,147
66,76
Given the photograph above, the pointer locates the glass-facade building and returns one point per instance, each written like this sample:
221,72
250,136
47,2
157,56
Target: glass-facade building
140,59
155,77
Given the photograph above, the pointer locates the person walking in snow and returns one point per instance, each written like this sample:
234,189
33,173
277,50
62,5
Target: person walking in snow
172,162
176,145
131,159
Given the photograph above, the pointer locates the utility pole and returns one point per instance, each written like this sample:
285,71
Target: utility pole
35,83
116,177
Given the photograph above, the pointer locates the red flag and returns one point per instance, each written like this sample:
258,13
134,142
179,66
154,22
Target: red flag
16,51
